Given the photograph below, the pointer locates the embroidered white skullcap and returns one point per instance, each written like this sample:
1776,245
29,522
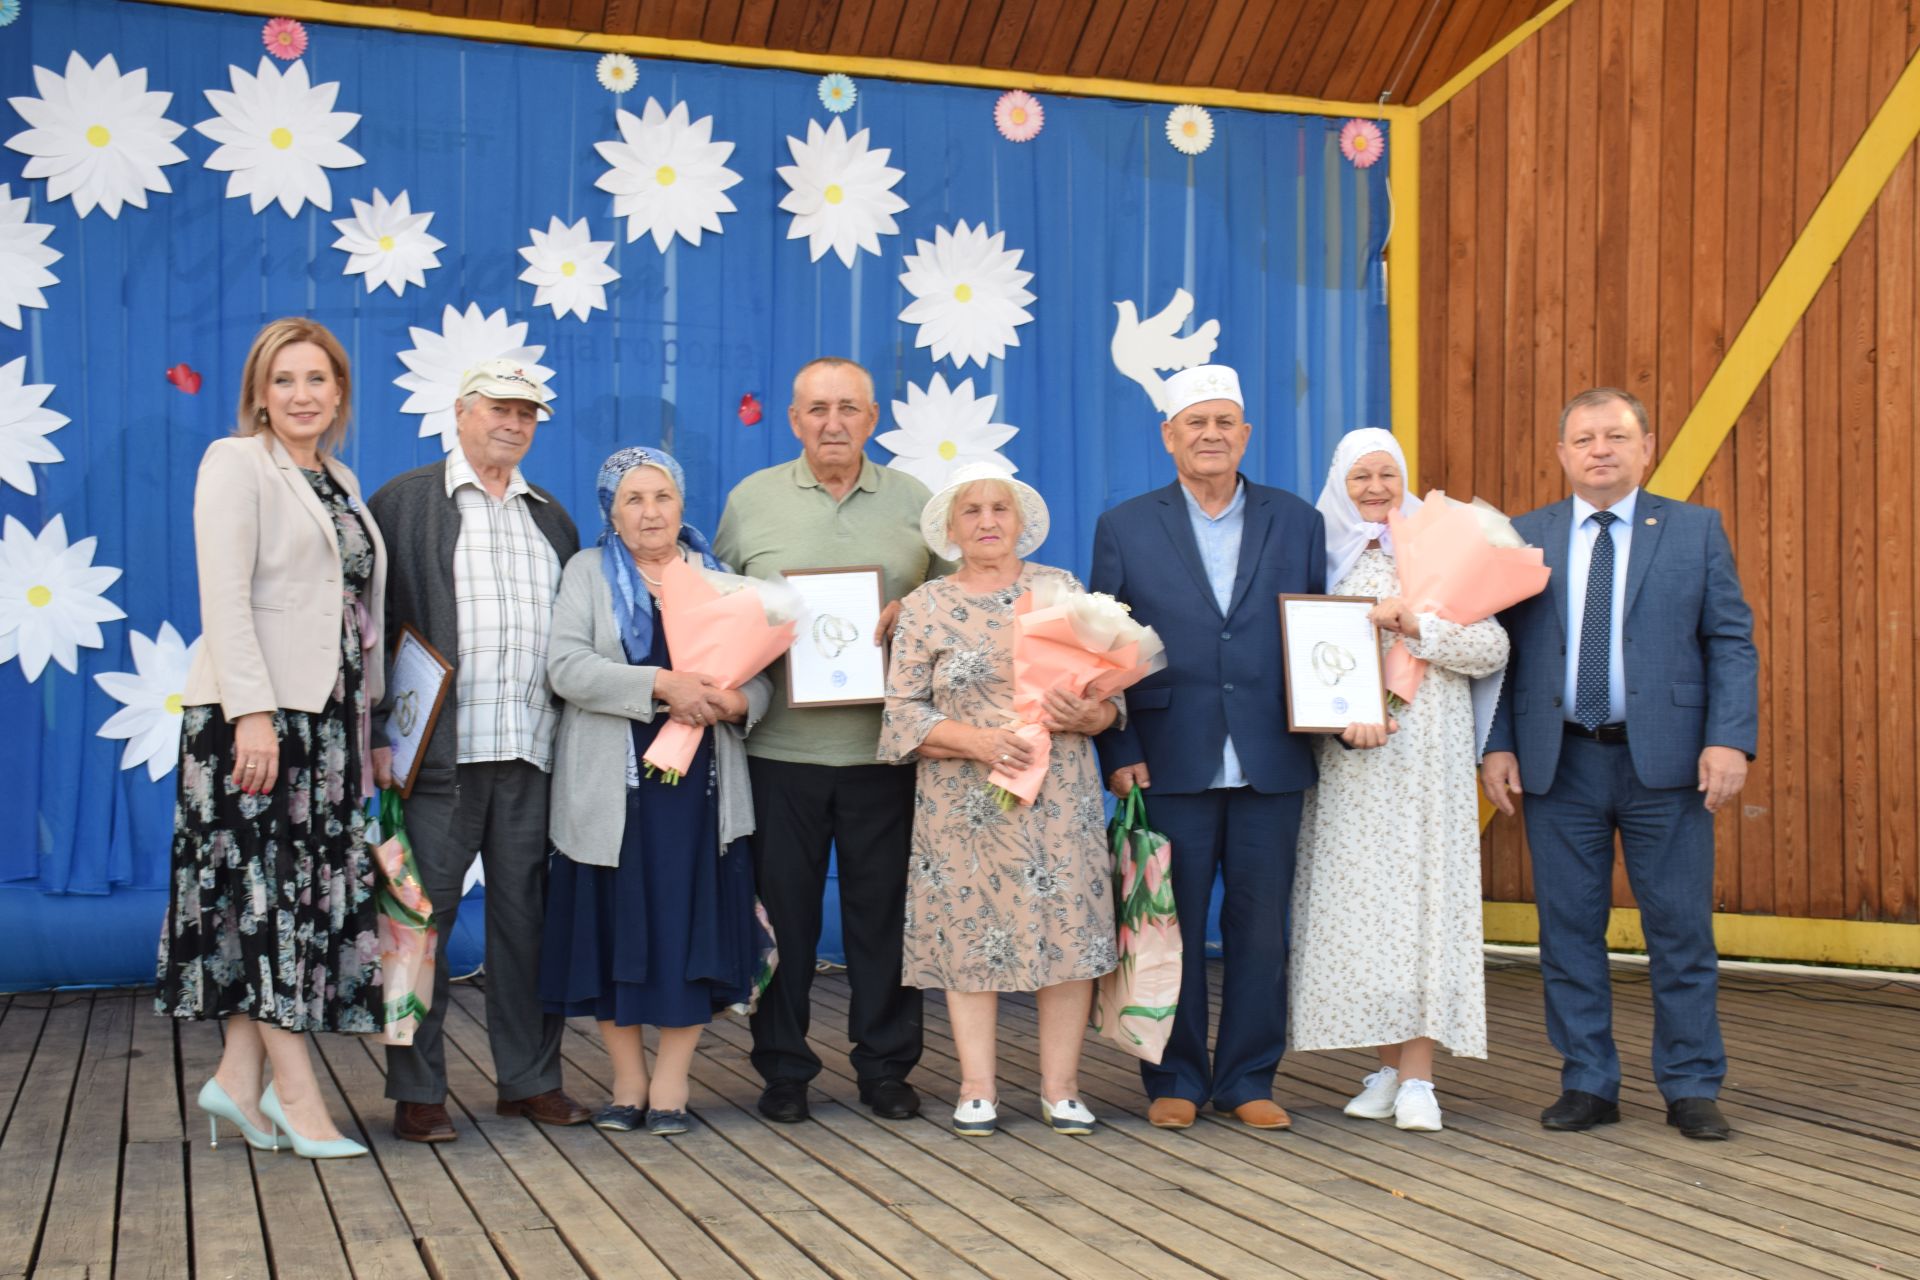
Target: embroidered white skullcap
1203,382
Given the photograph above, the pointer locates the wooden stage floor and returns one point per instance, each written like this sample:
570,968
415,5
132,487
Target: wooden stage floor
102,1173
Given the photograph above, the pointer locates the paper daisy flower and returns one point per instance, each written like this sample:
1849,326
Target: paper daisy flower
24,425
285,39
97,136
9,12
1361,142
23,258
941,429
969,294
616,72
840,192
278,136
50,604
1018,116
439,362
668,176
387,243
837,93
569,268
150,720
1190,129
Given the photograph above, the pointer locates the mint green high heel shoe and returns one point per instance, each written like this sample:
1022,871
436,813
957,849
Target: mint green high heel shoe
215,1101
337,1149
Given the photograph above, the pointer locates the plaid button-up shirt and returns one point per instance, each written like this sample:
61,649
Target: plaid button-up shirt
505,577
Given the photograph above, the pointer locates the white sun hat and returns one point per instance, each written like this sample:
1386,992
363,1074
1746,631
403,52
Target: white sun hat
935,516
1201,383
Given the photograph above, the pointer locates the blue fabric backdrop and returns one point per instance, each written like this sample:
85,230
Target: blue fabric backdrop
1270,229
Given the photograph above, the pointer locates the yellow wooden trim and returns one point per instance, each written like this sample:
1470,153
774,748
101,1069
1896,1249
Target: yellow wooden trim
1857,942
395,19
1403,289
1480,65
1792,289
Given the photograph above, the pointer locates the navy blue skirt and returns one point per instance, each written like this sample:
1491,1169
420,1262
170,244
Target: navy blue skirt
668,938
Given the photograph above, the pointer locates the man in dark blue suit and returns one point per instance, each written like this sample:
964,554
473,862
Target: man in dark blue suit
1631,706
1203,561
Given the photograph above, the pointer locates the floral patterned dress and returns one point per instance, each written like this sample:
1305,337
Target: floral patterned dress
272,912
996,901
1386,892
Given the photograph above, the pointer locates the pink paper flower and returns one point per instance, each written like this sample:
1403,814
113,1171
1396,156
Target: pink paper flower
285,39
1361,142
1018,115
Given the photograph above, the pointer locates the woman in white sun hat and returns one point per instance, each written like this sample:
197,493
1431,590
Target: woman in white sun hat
997,900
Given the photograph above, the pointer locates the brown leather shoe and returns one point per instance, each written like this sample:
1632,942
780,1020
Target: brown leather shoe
1171,1113
1263,1114
423,1122
551,1107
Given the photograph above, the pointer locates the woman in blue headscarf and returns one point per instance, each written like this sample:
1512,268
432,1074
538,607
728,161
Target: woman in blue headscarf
650,915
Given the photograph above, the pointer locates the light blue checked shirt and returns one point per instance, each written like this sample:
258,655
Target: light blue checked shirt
1219,541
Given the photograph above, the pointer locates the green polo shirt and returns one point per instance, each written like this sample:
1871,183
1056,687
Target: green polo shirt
781,518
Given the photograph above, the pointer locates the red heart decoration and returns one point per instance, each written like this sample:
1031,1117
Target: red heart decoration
184,377
749,409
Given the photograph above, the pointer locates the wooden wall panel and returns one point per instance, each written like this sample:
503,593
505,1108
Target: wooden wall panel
1606,207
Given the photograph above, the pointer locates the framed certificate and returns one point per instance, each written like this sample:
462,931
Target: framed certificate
417,685
834,661
1331,656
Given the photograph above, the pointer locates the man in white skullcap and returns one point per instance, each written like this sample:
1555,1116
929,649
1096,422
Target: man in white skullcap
1202,561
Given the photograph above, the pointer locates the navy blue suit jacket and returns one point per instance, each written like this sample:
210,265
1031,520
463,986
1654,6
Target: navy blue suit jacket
1223,671
1687,645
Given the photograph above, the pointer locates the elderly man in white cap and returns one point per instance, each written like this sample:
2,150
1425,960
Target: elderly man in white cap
1202,562
476,554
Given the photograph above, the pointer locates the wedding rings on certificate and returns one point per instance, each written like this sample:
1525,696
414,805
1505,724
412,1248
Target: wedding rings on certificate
1332,663
831,635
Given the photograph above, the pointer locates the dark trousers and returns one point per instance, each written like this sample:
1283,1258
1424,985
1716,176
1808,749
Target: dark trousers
865,812
1666,838
1248,839
499,809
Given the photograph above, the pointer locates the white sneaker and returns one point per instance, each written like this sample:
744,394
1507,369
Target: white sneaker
975,1118
1069,1115
1415,1107
1375,1099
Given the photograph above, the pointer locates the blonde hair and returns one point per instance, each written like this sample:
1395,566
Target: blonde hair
267,346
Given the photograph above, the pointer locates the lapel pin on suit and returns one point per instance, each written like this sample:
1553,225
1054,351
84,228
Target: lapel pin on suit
1652,520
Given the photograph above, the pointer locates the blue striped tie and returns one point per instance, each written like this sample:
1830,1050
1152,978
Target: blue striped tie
1592,696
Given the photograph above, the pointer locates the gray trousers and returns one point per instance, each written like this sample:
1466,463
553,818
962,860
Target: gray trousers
499,809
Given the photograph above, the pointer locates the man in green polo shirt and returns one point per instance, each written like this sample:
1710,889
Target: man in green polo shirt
816,786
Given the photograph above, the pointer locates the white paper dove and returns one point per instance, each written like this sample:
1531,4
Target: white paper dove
1142,348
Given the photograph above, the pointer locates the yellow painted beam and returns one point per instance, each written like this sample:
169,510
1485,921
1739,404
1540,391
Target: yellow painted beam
1856,942
1403,288
396,19
1480,65
1792,289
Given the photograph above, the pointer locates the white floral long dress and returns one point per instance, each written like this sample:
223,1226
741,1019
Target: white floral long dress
1386,894
996,901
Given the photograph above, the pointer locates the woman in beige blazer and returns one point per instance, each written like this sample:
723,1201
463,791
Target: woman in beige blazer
271,923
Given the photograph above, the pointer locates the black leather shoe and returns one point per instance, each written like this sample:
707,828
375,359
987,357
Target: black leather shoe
1577,1110
1698,1118
891,1098
784,1101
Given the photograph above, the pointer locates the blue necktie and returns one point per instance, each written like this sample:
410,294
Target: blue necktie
1591,693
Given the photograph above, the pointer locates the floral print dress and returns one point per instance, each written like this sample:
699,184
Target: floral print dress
996,901
1386,887
271,912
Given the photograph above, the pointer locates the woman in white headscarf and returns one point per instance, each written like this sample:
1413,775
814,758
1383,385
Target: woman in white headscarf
1386,899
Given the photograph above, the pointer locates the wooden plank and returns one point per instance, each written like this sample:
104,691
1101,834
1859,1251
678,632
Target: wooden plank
1249,33
76,1233
943,33
30,1150
222,1212
1544,478
1163,29
1216,37
1340,32
1612,177
1094,38
1894,222
1016,16
1178,44
462,1257
719,22
535,1255
1070,19
1515,433
20,1030
153,1085
1308,30
1129,29
1584,73
1360,74
151,1234
1283,19
1434,275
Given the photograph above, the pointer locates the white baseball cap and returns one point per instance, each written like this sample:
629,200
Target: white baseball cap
1200,383
506,379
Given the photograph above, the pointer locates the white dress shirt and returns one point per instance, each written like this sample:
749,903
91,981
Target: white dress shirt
1219,541
1579,556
